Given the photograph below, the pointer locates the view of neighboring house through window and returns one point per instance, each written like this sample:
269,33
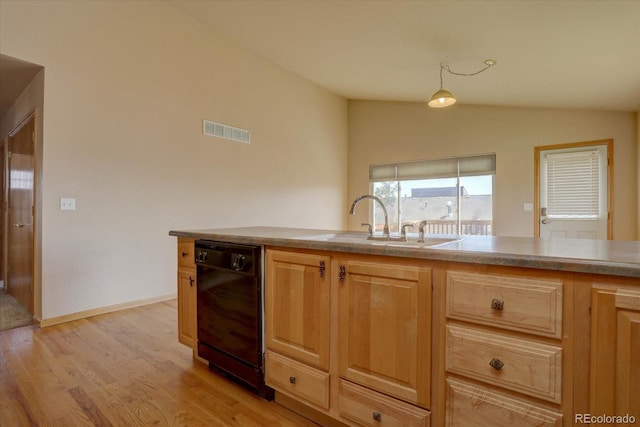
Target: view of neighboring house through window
454,195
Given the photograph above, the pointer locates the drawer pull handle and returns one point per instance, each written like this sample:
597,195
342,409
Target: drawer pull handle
496,364
377,416
184,254
342,273
292,380
497,304
322,268
191,281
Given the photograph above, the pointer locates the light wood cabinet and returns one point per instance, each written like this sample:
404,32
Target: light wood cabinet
187,293
615,351
350,336
385,328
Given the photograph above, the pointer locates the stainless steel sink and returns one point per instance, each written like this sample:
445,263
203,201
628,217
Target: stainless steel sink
361,238
428,243
346,237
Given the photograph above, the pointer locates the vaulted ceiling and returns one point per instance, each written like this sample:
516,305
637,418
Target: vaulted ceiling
555,54
558,54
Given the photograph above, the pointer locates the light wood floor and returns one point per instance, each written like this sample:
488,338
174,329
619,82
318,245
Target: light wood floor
120,369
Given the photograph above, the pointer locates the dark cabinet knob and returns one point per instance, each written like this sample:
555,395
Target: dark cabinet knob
497,304
191,281
377,416
496,364
292,380
184,254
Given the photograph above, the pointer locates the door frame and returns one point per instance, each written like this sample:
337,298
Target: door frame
32,115
536,179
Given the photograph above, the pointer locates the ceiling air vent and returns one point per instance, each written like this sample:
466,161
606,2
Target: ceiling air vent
227,132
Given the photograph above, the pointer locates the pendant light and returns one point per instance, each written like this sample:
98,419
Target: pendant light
443,98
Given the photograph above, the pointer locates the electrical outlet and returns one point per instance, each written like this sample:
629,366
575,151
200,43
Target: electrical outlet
67,204
528,207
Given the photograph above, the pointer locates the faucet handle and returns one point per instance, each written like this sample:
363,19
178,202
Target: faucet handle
403,229
370,228
421,226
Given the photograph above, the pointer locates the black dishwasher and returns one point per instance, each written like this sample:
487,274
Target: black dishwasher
230,308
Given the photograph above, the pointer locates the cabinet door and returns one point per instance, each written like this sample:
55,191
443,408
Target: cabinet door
187,321
298,292
385,328
615,352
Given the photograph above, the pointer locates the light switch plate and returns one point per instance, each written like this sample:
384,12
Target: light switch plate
67,204
528,207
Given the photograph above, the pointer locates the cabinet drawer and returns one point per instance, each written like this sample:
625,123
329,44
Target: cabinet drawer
469,406
528,305
297,379
521,365
368,408
186,248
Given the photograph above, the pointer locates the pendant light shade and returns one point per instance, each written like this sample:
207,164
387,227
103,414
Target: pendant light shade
442,98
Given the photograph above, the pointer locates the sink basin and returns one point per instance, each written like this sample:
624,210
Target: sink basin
355,237
346,237
431,242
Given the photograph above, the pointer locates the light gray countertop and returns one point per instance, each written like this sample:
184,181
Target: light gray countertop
610,257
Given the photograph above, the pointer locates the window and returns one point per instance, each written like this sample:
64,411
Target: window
454,195
573,185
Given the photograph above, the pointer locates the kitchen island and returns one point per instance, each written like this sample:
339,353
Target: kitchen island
476,330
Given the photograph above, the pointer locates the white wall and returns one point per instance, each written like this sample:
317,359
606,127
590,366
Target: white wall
126,87
382,132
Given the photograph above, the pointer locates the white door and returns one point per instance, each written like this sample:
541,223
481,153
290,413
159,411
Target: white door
573,192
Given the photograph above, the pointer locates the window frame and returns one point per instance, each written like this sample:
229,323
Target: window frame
439,168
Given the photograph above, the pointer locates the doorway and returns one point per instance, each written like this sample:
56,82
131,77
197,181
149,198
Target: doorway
573,190
20,211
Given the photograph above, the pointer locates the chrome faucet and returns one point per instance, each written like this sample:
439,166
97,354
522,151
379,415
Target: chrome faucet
352,211
403,231
421,226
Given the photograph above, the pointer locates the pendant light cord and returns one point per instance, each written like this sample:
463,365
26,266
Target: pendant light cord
489,63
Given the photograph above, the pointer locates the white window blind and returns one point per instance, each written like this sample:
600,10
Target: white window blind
483,164
573,185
